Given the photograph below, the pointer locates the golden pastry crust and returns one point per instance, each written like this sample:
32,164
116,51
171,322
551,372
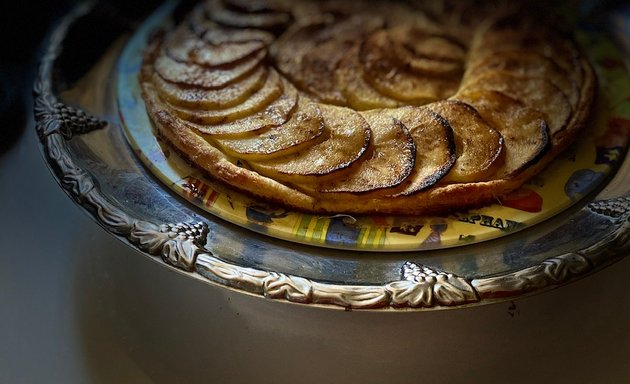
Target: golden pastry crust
344,161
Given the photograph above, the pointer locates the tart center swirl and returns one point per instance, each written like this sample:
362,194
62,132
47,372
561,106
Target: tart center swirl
359,62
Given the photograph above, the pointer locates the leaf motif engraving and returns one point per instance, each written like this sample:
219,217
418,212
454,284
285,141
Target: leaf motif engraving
147,237
351,296
292,288
177,244
554,270
232,275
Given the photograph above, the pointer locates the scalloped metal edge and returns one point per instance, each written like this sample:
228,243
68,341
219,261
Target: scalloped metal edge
182,245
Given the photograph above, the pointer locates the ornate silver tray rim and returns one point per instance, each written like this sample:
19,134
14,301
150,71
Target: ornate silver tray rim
591,236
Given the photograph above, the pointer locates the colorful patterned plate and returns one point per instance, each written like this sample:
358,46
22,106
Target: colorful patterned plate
570,177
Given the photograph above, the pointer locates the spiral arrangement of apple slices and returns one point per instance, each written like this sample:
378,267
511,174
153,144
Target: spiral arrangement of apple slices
365,107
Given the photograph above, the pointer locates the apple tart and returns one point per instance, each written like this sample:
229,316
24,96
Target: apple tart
367,107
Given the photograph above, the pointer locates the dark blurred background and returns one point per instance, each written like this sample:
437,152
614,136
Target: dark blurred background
22,29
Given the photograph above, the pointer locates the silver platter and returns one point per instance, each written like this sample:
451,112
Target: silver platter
83,143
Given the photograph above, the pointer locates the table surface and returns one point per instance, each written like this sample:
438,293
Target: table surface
79,306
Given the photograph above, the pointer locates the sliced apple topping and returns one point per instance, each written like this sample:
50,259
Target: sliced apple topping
184,46
537,93
389,163
435,146
348,140
309,53
271,91
297,57
526,64
394,78
524,130
271,20
359,94
215,34
479,146
257,6
539,39
274,114
197,20
201,98
305,126
199,76
428,52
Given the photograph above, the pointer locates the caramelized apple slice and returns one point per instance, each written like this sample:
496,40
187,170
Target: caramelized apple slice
199,76
305,126
348,140
427,52
537,93
276,113
272,20
394,79
257,6
389,163
526,64
215,34
524,130
359,94
201,98
309,53
288,54
539,39
226,53
184,46
311,68
435,147
271,91
479,146
198,21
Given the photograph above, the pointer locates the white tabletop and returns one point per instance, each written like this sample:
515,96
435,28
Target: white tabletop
79,306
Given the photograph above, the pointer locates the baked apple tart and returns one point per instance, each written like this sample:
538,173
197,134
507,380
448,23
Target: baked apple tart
367,107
